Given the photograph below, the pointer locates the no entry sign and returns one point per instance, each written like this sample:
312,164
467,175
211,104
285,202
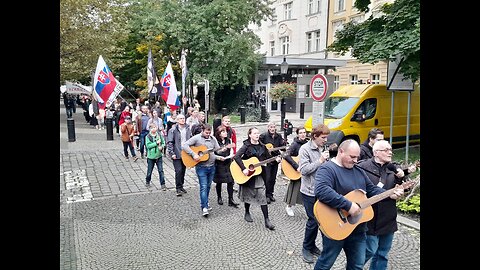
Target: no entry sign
318,87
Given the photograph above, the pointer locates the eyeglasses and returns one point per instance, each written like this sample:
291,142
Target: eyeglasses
385,150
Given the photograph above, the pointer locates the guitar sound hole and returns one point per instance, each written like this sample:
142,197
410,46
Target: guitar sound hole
354,219
251,168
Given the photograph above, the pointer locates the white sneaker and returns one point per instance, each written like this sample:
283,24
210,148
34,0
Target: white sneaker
204,212
289,211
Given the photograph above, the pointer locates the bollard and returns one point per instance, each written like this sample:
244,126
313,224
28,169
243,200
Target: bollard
302,110
71,129
242,114
263,114
109,124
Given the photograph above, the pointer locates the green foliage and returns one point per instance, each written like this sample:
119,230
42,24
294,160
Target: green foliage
283,90
413,154
410,206
254,115
394,33
89,28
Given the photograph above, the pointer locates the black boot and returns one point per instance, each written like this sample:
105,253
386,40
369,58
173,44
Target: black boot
269,225
248,218
220,201
231,202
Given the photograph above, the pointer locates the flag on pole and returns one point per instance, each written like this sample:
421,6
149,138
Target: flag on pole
170,88
183,65
106,86
152,79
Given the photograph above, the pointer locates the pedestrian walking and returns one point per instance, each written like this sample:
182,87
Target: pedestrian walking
154,143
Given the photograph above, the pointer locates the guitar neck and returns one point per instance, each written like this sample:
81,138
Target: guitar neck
277,148
381,196
264,161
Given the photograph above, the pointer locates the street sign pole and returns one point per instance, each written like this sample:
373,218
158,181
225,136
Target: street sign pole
318,92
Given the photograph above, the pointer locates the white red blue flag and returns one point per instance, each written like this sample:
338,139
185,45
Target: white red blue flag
170,88
106,86
153,83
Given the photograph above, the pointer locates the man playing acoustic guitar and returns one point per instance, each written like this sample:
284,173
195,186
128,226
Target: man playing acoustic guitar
205,169
333,180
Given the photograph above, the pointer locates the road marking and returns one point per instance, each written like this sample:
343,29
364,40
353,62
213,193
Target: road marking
77,185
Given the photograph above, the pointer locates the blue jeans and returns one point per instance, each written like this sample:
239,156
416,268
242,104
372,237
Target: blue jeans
378,247
354,246
311,228
205,177
142,136
150,164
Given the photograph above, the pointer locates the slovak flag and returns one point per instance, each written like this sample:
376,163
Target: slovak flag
170,88
106,86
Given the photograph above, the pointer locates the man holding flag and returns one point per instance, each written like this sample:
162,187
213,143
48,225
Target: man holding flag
170,88
106,86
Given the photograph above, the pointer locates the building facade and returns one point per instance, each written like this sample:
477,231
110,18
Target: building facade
354,72
299,33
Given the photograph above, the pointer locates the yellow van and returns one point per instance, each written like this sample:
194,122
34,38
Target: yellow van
352,110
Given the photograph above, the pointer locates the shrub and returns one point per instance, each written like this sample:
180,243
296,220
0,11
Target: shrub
254,115
412,205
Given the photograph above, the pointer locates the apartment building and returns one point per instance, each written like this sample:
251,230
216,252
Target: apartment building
299,33
354,72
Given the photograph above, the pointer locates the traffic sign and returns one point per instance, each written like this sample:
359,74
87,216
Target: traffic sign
318,87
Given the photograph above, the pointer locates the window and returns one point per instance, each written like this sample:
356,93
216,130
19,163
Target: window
337,25
311,6
307,90
272,48
368,108
339,5
285,44
309,42
313,41
287,11
375,78
317,40
336,82
353,79
319,3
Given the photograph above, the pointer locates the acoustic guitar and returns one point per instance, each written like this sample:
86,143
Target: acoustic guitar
337,224
200,150
271,148
254,168
289,171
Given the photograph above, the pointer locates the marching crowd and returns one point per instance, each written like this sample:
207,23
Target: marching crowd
319,173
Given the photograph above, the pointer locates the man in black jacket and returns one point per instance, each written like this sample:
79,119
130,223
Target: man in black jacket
276,140
384,174
374,135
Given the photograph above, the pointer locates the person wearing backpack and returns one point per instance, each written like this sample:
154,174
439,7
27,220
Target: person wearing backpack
154,143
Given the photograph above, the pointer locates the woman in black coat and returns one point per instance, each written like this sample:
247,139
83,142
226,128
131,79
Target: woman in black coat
222,167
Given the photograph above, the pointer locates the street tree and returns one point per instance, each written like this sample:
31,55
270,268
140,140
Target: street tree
219,45
394,32
89,28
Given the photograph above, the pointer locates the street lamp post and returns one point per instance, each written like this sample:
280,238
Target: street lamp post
283,71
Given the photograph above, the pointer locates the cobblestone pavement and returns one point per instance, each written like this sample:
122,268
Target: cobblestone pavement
110,220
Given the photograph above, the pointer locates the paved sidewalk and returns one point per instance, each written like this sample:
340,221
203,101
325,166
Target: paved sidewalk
110,220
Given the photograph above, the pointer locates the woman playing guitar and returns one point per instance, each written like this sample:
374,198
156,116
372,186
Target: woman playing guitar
253,191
